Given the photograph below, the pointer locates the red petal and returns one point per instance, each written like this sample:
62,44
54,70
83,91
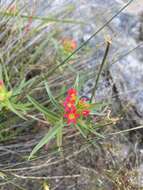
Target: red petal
1,83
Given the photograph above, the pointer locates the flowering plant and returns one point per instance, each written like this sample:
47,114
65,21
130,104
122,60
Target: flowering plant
4,94
74,107
66,48
9,99
69,45
73,111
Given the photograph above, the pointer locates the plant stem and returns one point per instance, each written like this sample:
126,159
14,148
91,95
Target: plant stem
100,70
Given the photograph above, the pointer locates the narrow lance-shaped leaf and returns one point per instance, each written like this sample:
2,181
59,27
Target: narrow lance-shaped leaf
42,109
52,99
14,110
83,125
50,135
100,70
81,131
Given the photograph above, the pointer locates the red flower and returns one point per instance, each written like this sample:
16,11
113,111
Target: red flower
73,97
69,99
73,44
69,105
69,102
69,45
73,110
85,112
72,91
72,117
1,82
1,85
83,105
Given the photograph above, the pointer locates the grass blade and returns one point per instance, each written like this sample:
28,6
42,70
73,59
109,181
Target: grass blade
12,108
81,131
49,114
52,132
100,70
52,99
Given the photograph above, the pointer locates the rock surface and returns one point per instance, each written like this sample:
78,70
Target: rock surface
126,71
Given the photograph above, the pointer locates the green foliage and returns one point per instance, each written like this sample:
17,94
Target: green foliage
50,135
9,99
56,121
21,92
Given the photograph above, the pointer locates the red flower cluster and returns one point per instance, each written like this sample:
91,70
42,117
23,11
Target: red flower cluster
69,45
84,106
70,107
1,82
1,85
2,90
74,109
86,112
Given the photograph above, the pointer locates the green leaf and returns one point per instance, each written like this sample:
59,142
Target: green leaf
100,70
3,175
44,19
50,115
88,128
81,130
50,135
14,110
52,99
23,84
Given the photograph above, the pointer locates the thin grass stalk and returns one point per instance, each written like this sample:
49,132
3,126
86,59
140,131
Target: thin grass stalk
127,53
44,19
100,70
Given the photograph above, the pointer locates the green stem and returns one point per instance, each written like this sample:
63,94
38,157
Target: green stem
100,70
44,19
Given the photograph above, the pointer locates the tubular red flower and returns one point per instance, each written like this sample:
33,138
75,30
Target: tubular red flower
75,108
69,45
83,104
70,107
72,92
68,102
71,117
73,44
1,82
73,97
69,99
1,85
85,112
